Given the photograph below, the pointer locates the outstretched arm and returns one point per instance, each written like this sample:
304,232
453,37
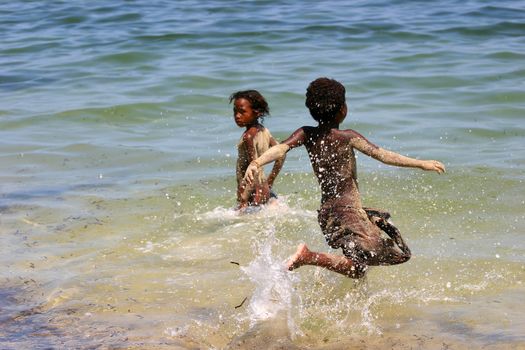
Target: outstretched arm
277,165
276,152
392,158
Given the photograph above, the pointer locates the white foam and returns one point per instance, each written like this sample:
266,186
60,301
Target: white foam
273,283
275,208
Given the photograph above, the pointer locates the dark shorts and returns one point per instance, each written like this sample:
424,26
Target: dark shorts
251,200
352,230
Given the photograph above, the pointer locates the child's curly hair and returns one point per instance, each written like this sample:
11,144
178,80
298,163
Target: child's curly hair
324,98
257,101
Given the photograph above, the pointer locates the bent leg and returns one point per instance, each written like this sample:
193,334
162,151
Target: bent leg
335,263
394,233
374,212
387,254
390,254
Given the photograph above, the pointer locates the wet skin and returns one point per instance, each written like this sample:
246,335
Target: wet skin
332,156
246,117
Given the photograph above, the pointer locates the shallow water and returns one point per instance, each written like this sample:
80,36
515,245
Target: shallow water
117,174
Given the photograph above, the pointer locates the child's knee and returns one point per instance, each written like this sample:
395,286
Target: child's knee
395,257
406,251
405,256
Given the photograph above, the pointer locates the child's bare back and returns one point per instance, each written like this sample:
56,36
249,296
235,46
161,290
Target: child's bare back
332,157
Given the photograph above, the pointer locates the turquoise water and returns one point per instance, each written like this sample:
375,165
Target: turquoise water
118,159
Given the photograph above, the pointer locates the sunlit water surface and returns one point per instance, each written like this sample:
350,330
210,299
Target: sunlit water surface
117,174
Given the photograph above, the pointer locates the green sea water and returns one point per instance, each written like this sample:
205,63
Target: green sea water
117,165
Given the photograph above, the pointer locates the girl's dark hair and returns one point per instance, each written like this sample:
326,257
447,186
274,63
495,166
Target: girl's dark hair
324,98
257,100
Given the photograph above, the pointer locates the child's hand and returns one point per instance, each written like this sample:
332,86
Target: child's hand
433,165
251,172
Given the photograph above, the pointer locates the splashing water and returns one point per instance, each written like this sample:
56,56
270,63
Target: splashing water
273,294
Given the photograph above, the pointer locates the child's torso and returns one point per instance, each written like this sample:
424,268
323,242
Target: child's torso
333,162
261,143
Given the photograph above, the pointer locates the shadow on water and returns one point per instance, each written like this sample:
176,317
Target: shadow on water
33,193
11,83
27,324
268,334
22,321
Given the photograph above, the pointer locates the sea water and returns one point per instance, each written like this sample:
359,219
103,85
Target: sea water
117,149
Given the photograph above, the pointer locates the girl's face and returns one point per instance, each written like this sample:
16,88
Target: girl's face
243,113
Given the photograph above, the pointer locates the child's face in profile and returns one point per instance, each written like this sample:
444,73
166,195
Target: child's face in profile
243,113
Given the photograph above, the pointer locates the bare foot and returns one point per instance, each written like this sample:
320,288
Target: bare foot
299,258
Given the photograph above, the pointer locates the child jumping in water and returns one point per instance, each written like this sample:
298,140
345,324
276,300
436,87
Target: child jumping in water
343,220
249,107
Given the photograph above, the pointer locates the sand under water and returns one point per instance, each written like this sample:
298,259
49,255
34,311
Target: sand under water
117,174
169,274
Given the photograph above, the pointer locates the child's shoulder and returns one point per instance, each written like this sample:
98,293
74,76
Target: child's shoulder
347,133
252,131
355,138
350,133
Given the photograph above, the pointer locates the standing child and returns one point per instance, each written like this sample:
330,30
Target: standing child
343,220
249,107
